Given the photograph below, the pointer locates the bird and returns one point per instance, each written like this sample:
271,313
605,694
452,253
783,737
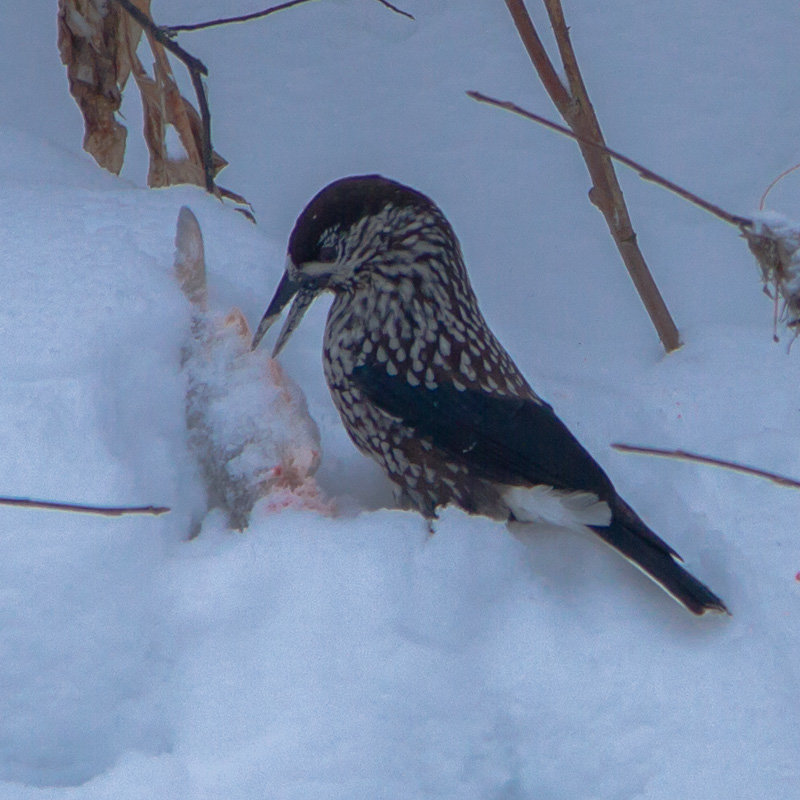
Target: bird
424,387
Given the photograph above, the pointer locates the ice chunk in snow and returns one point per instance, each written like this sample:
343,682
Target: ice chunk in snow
248,422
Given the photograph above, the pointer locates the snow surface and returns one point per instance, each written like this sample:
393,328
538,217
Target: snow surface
359,657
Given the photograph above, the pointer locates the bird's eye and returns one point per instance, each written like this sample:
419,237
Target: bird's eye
327,253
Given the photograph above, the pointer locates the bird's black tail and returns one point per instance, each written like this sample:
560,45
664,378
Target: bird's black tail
645,550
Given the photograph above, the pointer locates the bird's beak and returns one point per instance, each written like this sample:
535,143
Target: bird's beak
303,293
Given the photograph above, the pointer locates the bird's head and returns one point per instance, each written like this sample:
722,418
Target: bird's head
353,229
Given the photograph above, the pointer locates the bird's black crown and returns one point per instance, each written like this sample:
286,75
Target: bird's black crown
343,203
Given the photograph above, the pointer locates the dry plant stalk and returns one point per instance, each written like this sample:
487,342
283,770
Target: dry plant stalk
164,106
98,45
775,243
99,51
575,107
773,239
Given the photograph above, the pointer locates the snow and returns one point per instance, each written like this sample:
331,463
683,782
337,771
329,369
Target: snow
248,422
775,240
360,656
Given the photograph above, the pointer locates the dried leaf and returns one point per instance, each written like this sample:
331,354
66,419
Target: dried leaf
165,108
89,38
98,44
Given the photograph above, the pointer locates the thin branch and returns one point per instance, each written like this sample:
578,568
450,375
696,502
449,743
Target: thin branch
198,26
684,455
396,9
207,150
644,172
112,511
577,87
162,36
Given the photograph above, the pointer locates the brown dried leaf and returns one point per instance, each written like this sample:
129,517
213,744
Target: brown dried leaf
97,67
164,106
98,45
159,104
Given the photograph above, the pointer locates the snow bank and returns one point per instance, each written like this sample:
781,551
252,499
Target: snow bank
311,657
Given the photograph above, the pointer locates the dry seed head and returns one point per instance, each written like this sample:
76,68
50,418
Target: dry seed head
774,240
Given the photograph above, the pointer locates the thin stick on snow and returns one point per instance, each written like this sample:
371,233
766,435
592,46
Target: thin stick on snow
644,172
572,102
106,511
685,455
198,26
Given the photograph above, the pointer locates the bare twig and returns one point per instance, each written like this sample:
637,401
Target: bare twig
171,30
161,35
644,172
774,183
112,511
538,55
396,10
207,150
575,107
577,88
684,455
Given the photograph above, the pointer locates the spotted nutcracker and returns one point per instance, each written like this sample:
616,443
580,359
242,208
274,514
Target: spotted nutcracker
424,387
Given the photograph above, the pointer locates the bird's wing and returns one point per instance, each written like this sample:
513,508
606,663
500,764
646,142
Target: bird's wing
518,442
510,440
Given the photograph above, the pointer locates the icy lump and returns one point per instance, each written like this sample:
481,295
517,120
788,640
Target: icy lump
248,422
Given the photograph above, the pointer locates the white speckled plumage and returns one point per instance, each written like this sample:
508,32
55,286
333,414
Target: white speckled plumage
418,293
423,386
